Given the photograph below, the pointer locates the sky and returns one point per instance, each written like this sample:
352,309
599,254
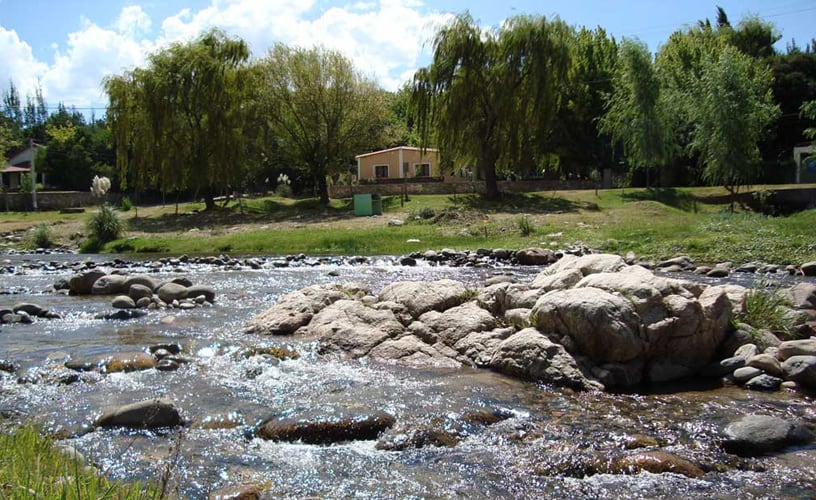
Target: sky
69,46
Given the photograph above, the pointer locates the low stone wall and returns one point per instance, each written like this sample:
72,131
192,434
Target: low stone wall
48,200
394,189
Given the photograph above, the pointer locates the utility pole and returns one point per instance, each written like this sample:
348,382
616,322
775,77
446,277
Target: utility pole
33,176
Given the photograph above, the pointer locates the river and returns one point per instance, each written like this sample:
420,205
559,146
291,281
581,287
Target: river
548,446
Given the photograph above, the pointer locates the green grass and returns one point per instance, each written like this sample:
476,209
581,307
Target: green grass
651,223
31,467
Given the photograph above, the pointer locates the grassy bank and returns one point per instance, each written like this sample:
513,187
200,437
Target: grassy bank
32,467
651,223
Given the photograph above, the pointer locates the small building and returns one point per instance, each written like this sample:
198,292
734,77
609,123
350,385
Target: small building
399,163
804,156
19,165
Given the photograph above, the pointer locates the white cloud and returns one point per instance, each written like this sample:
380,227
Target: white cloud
18,64
385,39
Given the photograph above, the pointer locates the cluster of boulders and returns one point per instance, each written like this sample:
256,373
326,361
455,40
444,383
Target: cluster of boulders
722,269
25,312
789,363
585,322
139,290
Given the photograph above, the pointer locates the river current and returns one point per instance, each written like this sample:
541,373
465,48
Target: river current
545,449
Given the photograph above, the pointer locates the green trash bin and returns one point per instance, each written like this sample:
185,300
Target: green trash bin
363,205
376,204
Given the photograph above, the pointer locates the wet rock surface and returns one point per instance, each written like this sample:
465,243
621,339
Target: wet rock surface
149,414
758,434
326,427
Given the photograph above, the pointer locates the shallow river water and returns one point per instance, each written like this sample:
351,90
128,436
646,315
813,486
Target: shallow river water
548,447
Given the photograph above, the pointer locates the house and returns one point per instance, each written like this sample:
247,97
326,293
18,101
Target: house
399,163
19,165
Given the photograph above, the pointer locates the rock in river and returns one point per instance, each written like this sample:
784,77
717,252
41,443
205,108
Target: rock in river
149,414
757,434
333,426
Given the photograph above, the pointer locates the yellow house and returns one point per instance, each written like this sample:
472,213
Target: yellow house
398,163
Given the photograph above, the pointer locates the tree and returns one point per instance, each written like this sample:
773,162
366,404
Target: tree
7,140
320,110
636,115
732,107
808,110
581,147
178,122
490,97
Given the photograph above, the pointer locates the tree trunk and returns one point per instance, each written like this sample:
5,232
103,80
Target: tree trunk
209,199
491,182
323,189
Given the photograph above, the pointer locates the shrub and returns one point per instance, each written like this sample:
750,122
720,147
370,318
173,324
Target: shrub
427,213
126,204
766,308
525,225
105,225
41,237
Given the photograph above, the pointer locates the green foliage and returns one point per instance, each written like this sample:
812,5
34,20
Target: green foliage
32,467
808,110
126,204
767,308
179,123
490,97
636,113
105,225
321,108
41,236
525,225
732,107
25,183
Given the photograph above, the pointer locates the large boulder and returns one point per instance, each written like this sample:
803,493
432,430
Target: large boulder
410,350
296,309
207,291
326,427
111,284
423,296
803,295
802,347
141,279
457,322
138,291
603,326
588,264
478,347
150,414
536,257
351,327
758,434
82,284
170,291
519,296
530,355
801,369
566,278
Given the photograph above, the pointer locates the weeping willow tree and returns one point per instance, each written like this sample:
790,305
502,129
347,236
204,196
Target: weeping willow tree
177,124
636,114
321,111
488,98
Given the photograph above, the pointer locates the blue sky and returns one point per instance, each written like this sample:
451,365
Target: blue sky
70,45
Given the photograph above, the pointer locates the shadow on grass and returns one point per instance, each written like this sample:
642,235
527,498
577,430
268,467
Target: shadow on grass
667,196
520,203
266,210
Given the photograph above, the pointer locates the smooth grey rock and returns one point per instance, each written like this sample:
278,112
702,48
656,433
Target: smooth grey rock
207,291
123,302
457,322
801,369
150,414
561,280
169,292
296,309
758,434
110,284
141,279
746,351
410,350
530,355
420,297
536,257
29,308
746,373
809,268
803,347
138,291
766,363
81,284
351,327
588,264
803,295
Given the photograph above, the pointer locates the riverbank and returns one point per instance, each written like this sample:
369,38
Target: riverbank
650,223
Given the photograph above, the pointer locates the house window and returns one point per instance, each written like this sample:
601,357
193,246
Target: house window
422,170
380,171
